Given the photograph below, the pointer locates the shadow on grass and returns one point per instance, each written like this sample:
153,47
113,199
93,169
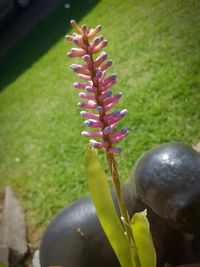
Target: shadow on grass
35,43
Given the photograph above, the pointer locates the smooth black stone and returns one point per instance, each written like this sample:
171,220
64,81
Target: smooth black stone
75,237
167,179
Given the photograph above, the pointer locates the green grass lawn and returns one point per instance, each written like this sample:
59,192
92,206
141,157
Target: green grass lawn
155,46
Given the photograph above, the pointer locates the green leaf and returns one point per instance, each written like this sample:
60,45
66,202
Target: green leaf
143,239
102,199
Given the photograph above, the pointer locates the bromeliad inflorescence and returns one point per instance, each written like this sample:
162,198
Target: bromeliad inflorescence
98,96
96,90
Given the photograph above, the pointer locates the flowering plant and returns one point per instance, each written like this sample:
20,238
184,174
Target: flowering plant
130,238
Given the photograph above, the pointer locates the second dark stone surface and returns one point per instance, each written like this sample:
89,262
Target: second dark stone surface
166,181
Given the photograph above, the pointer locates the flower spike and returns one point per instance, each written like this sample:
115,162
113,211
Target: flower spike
96,92
98,99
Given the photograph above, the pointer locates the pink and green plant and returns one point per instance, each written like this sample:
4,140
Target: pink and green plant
130,239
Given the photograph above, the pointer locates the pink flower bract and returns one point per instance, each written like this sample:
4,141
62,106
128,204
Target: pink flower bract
96,93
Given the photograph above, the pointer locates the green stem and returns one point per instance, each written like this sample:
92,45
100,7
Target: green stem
122,206
113,169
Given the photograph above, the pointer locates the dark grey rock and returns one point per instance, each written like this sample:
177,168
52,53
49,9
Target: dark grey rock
167,179
13,228
75,238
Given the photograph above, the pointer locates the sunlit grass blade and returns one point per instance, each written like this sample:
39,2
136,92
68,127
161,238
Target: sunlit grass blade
143,239
101,197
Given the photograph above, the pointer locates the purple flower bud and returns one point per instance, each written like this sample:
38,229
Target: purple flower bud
96,40
79,85
89,115
69,55
86,96
124,130
101,38
87,59
87,123
75,26
96,144
82,69
118,138
93,32
119,95
92,134
107,130
111,104
99,108
84,133
69,38
108,82
75,41
100,59
105,42
77,52
85,77
97,88
112,99
105,95
99,47
124,112
116,113
112,115
108,85
74,67
84,27
90,89
108,93
114,119
87,105
113,76
107,65
94,44
93,124
113,126
99,74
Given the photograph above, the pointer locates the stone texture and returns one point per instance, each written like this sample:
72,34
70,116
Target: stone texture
197,147
1,209
4,254
36,259
13,227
